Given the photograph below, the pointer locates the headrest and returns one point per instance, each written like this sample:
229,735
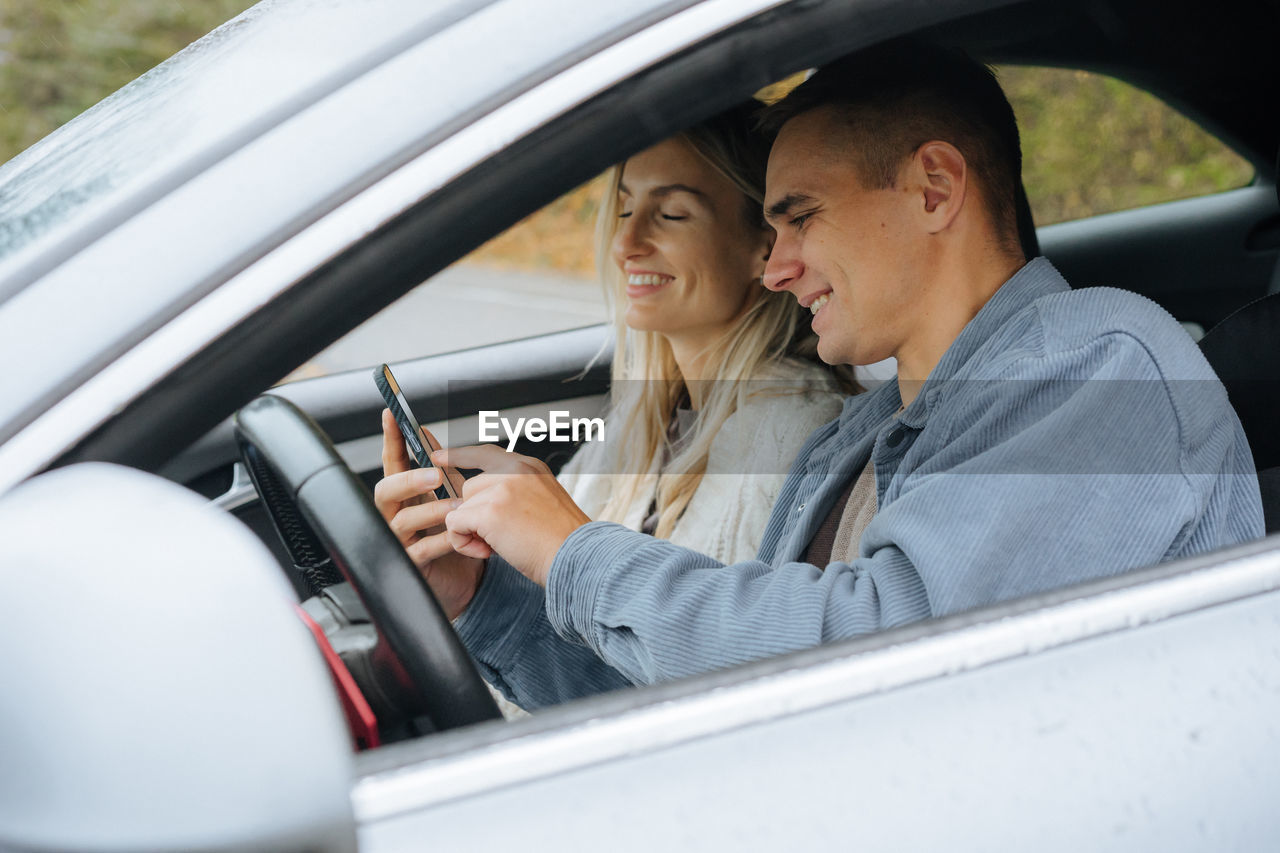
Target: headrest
1244,350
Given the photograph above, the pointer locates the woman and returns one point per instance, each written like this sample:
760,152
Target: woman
712,374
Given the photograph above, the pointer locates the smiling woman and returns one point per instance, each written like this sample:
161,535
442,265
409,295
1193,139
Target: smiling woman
706,360
688,244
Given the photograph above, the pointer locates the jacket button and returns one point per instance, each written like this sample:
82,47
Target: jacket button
800,508
895,438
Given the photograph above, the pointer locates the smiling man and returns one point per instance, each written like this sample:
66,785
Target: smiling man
1036,437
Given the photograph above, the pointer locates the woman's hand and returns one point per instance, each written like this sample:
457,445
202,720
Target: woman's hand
516,508
405,497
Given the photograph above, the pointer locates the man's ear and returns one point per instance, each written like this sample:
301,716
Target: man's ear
944,179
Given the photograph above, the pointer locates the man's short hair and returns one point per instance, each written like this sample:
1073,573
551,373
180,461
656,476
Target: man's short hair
896,96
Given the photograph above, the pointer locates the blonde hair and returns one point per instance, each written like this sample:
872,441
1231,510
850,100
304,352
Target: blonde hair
647,384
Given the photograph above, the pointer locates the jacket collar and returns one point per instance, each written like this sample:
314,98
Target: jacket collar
1036,279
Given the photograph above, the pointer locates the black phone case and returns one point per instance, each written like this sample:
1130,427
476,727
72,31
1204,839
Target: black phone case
406,427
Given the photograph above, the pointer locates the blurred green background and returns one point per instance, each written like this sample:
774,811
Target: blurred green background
1092,144
60,57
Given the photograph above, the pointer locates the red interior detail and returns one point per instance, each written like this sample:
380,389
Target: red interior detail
360,718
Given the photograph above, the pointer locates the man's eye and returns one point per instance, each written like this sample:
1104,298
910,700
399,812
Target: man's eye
799,220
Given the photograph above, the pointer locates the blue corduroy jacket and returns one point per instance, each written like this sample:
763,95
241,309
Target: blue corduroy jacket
1065,435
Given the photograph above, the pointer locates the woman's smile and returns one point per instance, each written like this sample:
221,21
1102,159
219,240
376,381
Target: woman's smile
642,284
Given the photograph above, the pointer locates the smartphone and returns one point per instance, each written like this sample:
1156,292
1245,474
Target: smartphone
409,428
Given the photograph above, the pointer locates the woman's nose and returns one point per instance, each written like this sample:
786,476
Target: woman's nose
630,240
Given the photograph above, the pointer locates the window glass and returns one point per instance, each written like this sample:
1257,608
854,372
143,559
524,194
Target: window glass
1092,144
535,278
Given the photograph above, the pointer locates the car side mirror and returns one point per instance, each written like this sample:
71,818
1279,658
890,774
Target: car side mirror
161,691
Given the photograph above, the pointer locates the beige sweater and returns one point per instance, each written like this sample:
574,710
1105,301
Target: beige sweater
749,460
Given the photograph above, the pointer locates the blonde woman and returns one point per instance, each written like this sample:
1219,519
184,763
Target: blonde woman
716,383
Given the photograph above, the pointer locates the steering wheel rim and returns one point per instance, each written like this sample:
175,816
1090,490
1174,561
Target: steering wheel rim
342,515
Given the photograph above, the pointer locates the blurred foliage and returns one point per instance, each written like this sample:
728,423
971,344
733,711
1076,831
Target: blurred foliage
558,237
1092,144
60,57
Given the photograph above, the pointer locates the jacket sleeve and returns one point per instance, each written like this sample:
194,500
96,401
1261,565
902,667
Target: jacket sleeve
1052,470
507,633
506,628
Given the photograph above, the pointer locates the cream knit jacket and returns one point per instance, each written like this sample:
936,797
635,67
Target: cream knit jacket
749,459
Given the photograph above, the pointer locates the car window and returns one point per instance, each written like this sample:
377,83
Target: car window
535,278
1092,144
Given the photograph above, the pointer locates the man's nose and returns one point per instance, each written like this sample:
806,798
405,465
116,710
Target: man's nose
783,267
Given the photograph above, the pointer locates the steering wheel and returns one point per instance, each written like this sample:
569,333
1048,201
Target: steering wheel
316,501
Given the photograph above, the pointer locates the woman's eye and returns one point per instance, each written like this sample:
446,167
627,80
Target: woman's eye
673,218
624,214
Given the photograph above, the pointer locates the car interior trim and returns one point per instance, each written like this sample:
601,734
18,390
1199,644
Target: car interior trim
555,357
241,491
365,454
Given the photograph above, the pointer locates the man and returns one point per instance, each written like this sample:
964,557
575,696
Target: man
1036,436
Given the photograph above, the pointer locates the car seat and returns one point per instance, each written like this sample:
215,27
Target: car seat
1244,350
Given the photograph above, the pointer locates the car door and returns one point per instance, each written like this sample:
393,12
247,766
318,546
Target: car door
1134,713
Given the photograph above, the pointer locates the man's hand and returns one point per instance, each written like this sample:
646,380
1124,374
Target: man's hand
405,497
516,508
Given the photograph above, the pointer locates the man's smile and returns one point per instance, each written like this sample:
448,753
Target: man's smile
815,301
